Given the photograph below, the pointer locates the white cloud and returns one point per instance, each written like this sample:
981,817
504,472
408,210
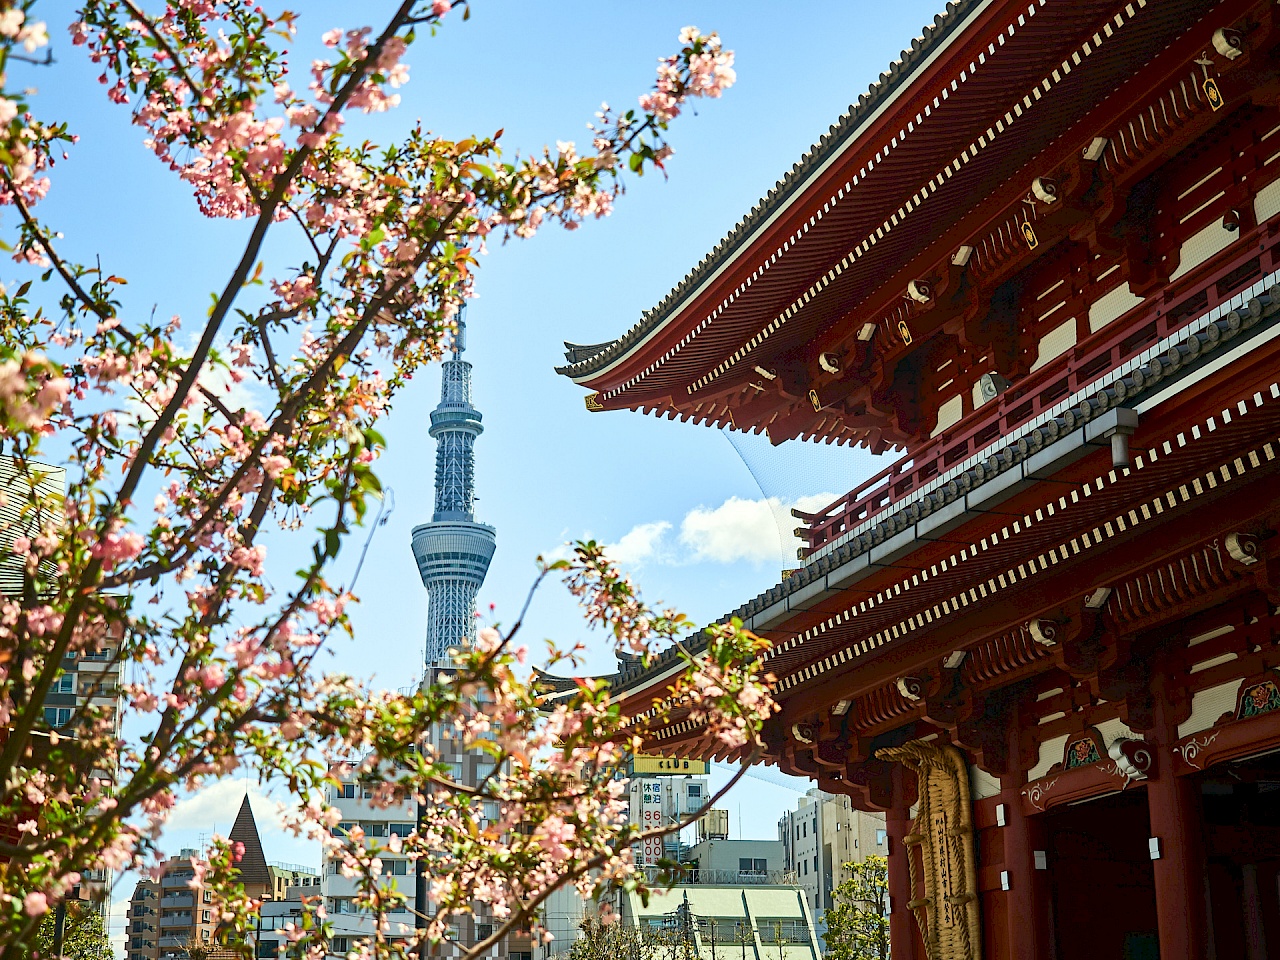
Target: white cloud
218,803
736,530
639,544
740,529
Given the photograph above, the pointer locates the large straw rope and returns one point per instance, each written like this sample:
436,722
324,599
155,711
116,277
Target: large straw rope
948,914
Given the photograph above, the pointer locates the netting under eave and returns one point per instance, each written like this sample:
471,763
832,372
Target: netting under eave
801,474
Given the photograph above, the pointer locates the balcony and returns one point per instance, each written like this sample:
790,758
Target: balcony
1148,330
171,901
176,920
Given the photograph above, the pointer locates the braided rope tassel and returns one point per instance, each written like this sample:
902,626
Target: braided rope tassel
948,914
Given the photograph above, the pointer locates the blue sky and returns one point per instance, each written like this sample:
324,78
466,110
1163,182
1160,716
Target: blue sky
679,501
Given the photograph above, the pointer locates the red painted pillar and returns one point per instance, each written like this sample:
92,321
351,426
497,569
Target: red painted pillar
1177,822
902,923
1027,914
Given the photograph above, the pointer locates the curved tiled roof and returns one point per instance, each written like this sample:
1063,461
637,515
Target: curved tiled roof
584,360
1193,349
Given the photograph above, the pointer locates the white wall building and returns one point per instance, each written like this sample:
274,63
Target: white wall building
820,836
378,823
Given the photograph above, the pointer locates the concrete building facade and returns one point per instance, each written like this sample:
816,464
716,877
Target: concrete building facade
820,836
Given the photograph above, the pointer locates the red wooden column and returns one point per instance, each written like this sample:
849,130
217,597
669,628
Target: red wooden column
1177,822
903,936
1027,912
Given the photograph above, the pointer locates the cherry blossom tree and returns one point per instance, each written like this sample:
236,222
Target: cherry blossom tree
152,555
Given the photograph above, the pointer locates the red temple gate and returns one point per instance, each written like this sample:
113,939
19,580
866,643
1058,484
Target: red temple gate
1041,257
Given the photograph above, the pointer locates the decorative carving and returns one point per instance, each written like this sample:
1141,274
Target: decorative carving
1044,190
911,688
1192,748
1080,752
941,845
1257,698
1043,632
1036,792
803,732
592,400
1242,548
1134,759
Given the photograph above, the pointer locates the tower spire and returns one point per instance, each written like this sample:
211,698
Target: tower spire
453,550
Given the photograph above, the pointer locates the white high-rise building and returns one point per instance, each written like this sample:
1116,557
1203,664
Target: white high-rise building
820,836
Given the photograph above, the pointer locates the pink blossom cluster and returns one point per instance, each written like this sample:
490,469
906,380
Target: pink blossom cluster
703,69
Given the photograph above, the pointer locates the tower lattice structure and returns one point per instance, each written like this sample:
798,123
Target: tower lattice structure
453,551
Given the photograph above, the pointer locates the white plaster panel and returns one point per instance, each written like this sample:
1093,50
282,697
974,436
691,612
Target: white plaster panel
1050,753
1056,342
1214,662
1202,245
949,414
1212,634
1117,729
1208,705
1267,203
1111,305
982,784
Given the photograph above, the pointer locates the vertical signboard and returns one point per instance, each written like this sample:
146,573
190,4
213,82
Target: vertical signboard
650,851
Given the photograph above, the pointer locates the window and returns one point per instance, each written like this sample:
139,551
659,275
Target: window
343,828
269,948
396,868
753,866
695,790
815,863
401,829
339,945
881,836
205,916
57,716
346,791
64,684
103,654
483,931
806,829
208,896
375,829
805,864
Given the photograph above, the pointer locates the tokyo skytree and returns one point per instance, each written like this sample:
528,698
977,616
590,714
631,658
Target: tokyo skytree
453,551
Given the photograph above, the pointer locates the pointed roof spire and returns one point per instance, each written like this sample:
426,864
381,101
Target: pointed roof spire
253,865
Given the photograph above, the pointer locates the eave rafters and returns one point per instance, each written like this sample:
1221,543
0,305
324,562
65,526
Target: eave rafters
996,242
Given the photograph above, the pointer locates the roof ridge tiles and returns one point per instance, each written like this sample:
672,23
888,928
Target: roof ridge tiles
943,24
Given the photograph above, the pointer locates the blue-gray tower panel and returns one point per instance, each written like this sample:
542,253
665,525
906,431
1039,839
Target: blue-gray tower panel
453,551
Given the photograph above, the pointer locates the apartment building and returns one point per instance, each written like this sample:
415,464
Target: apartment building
167,918
820,836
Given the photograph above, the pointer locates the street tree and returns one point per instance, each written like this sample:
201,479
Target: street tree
154,555
84,934
858,922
